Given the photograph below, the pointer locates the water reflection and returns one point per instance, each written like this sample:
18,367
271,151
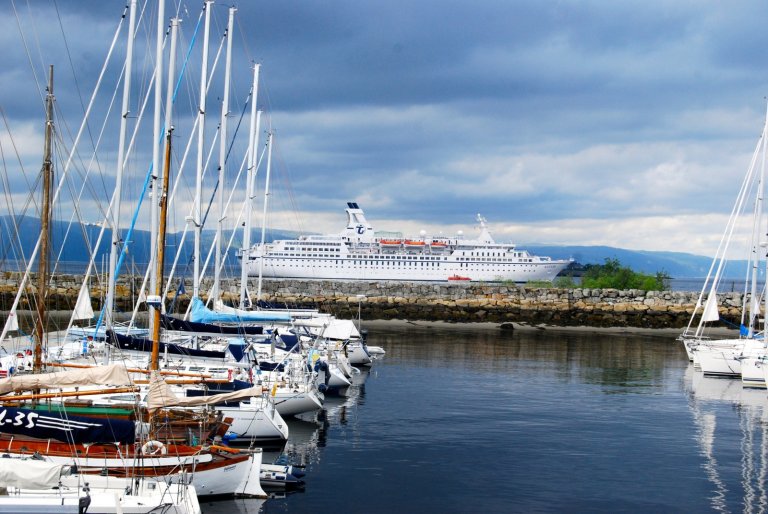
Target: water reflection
624,363
727,416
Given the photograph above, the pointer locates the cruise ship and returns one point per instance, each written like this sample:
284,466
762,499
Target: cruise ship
360,253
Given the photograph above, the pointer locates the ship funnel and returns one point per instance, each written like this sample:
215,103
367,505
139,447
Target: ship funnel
358,228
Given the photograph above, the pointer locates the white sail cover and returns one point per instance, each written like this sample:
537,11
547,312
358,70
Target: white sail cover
31,474
105,376
83,309
161,396
710,309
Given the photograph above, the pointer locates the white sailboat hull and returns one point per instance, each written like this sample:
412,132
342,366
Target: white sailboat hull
291,404
235,479
254,422
720,358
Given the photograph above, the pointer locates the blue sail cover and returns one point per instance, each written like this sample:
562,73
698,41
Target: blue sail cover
66,428
201,314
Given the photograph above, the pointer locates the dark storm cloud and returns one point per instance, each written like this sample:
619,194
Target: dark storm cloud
529,111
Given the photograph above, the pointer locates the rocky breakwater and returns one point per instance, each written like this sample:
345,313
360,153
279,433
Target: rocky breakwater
63,291
469,302
456,302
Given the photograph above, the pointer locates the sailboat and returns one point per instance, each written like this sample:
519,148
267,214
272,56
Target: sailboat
736,356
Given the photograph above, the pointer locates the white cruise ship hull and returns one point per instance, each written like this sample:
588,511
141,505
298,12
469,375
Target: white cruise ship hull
415,271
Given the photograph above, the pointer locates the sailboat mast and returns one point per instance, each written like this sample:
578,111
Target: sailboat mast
270,137
156,141
163,205
764,246
754,303
42,271
253,138
197,217
223,158
115,248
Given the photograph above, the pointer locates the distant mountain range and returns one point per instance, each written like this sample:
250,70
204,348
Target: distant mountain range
674,264
74,249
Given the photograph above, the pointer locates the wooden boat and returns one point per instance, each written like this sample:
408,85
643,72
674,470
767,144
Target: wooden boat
109,446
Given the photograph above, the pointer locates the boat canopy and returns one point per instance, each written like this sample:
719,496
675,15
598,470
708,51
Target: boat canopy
201,314
104,376
31,474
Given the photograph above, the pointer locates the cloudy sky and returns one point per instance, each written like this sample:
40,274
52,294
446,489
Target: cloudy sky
629,124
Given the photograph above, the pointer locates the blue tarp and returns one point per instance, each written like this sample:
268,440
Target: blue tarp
744,332
201,314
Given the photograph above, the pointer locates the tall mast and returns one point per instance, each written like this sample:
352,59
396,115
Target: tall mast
223,158
115,248
270,137
197,217
156,141
764,234
163,198
758,245
42,271
253,140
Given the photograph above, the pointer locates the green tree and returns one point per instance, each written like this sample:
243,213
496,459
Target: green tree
612,275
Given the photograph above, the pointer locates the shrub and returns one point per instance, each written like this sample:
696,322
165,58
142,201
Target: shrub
612,275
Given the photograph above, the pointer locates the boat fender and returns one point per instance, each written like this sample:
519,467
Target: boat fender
153,448
274,390
322,388
229,374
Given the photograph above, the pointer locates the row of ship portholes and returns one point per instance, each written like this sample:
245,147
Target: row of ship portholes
378,264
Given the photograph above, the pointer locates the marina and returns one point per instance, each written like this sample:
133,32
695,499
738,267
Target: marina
364,370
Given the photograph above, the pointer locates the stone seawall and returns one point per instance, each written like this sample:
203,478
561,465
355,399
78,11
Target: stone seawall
457,302
473,302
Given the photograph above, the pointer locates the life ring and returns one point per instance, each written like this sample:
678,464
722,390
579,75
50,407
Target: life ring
153,448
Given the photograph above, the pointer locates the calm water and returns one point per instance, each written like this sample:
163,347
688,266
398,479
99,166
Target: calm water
463,420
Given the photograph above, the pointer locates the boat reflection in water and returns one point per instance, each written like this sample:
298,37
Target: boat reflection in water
308,436
723,410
